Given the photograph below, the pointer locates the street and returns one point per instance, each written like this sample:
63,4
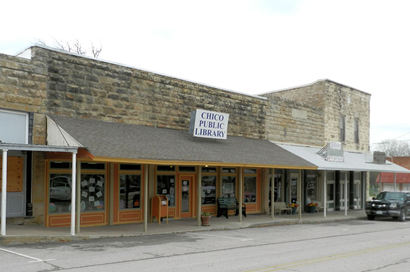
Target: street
356,245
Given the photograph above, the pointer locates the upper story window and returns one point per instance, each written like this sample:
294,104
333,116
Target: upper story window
342,127
17,127
356,130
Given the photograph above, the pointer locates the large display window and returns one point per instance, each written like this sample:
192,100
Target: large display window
59,187
92,192
130,191
228,178
59,193
166,186
249,185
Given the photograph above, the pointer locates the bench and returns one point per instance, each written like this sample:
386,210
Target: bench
281,207
225,204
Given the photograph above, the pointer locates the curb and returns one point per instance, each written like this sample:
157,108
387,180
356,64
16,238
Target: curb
29,240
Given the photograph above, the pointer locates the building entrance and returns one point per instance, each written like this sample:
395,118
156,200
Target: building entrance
186,195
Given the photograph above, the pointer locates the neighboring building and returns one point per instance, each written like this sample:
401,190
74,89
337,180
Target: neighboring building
131,129
319,113
395,182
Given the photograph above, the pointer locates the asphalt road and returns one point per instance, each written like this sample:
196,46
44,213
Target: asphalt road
359,245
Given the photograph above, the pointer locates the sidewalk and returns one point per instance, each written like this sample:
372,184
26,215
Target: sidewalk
33,233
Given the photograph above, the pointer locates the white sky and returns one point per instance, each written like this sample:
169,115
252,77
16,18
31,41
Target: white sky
245,46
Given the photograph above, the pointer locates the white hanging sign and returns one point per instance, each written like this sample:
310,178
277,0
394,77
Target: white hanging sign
209,124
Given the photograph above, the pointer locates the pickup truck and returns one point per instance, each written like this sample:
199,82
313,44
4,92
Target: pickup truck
389,204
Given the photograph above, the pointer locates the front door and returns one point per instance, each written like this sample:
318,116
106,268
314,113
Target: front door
342,190
330,198
186,195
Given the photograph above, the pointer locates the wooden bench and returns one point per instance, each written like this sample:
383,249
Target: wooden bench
225,204
281,207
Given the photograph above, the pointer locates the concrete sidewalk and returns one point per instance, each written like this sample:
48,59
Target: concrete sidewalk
34,233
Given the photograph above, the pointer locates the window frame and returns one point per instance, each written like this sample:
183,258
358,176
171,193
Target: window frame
131,173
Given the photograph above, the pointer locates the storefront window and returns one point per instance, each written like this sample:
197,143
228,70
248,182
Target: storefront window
166,186
228,186
130,191
186,169
60,165
60,193
311,187
208,190
209,169
249,188
134,167
166,168
92,166
228,170
92,192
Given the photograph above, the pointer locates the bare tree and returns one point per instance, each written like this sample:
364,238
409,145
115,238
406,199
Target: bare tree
394,148
77,47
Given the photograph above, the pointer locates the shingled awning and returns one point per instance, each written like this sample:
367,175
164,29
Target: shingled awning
109,141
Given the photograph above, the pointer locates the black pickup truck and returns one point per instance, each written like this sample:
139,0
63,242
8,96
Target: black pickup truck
389,204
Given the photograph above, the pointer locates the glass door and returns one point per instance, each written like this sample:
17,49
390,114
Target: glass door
330,191
342,190
185,185
357,201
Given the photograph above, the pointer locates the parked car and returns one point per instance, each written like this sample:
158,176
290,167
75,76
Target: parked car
389,204
60,188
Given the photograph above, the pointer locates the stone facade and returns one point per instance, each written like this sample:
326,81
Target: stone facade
88,88
331,100
54,82
294,122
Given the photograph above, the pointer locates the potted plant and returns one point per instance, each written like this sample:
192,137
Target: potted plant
205,218
294,207
311,207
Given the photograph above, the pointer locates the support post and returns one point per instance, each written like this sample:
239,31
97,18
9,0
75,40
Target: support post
78,207
272,194
73,191
240,193
4,194
299,195
395,182
146,173
199,196
345,193
324,193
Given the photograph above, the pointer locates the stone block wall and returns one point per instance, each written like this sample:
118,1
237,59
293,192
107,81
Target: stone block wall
87,88
23,88
333,100
353,104
292,122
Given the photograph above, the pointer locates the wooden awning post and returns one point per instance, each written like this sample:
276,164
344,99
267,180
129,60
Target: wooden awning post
146,171
345,193
78,210
199,196
324,193
73,191
299,194
272,194
240,193
4,194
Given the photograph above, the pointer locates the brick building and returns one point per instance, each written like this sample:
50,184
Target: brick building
122,135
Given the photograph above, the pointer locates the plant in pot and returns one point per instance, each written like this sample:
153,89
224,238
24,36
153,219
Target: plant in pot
205,218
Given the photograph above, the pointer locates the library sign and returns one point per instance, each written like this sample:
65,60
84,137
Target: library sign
209,124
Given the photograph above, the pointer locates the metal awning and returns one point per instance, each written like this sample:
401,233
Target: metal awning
39,148
353,161
5,147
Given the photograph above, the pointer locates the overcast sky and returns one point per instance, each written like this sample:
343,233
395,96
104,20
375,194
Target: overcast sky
250,47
